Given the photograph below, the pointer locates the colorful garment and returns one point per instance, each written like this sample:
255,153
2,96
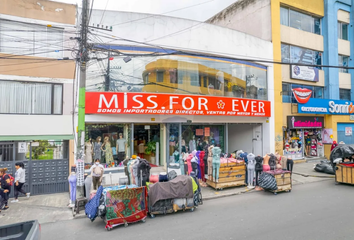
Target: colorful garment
108,153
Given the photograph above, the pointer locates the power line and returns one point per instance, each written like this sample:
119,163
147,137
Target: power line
154,15
104,11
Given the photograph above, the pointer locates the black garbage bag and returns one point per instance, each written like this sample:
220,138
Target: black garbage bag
342,151
267,182
324,167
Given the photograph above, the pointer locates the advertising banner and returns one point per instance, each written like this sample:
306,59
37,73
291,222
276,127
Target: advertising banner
304,73
326,106
173,104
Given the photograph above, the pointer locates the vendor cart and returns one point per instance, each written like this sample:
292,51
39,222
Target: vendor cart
283,179
231,174
344,171
125,206
179,194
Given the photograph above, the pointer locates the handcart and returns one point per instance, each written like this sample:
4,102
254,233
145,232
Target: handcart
175,195
344,171
125,206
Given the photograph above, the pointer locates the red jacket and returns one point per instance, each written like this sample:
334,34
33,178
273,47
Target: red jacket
201,157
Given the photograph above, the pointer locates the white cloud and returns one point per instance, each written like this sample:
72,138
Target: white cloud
202,12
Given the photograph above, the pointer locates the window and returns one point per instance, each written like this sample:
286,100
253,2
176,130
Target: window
194,78
30,98
173,75
292,54
205,81
342,30
287,93
344,94
31,39
159,76
343,62
300,20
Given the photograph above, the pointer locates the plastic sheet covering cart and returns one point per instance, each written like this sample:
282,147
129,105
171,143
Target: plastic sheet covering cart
283,180
125,206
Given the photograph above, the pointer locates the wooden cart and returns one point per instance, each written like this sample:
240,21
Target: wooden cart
284,182
344,174
230,175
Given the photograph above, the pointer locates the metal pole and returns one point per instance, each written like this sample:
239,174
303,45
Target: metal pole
82,86
107,80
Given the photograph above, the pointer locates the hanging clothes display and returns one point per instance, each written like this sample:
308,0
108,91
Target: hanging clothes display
189,163
202,165
199,172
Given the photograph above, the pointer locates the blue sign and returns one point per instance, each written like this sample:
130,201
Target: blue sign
326,106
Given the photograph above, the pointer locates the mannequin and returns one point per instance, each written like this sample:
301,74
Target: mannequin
189,163
192,144
216,162
181,164
258,167
121,146
202,165
199,176
108,150
125,163
289,164
266,166
238,153
89,151
97,148
272,161
184,146
175,156
251,169
194,162
72,181
210,161
243,155
283,162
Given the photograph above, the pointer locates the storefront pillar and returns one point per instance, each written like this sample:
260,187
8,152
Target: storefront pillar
226,141
132,138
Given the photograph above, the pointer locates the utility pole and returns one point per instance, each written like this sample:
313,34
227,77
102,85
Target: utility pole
82,90
107,80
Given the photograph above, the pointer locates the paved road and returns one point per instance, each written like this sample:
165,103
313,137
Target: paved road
311,211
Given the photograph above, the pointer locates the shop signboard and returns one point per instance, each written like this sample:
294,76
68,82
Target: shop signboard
348,131
326,106
304,73
22,147
327,136
199,132
301,122
173,104
207,132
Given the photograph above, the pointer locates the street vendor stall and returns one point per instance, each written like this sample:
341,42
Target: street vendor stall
342,159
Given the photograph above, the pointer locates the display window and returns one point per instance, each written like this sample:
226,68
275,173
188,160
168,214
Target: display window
107,142
300,143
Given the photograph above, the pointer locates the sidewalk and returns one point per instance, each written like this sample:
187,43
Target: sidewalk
53,207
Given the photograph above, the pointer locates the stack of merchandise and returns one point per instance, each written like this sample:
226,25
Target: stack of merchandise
137,170
118,205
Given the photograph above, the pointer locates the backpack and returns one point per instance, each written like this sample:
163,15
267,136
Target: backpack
12,179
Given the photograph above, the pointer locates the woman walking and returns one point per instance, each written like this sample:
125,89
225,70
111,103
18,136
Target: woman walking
5,189
20,179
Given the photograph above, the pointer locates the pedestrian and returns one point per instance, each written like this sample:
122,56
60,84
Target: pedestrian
334,145
97,174
5,189
20,180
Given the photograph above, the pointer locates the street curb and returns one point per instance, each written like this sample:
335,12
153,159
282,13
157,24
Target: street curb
308,175
229,194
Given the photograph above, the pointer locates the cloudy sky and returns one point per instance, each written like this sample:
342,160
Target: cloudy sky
199,10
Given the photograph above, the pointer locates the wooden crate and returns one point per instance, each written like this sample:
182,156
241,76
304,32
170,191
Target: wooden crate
229,176
284,182
345,174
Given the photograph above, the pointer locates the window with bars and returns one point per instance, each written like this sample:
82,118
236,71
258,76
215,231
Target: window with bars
344,94
31,39
31,98
343,62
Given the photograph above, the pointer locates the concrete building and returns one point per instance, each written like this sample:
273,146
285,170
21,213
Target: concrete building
303,32
162,57
36,90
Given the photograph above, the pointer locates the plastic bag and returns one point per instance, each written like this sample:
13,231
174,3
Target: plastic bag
267,182
324,167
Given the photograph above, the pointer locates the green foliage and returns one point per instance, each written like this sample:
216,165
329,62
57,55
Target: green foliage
150,148
44,148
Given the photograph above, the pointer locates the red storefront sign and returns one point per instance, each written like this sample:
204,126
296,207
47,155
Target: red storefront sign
173,104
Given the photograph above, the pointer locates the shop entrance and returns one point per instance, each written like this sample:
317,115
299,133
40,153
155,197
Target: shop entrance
147,142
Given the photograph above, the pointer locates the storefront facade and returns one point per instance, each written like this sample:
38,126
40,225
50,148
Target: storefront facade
180,124
339,120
